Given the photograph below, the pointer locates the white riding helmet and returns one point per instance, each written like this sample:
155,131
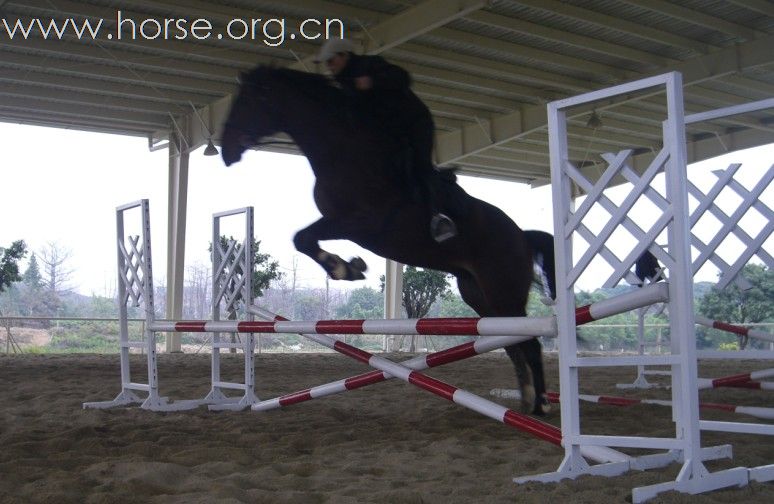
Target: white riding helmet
332,47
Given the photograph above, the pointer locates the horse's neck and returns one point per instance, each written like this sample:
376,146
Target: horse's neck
317,132
312,136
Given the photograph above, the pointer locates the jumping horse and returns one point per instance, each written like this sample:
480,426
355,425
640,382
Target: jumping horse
365,196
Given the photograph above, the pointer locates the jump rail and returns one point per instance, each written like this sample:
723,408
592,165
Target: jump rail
520,421
553,397
654,293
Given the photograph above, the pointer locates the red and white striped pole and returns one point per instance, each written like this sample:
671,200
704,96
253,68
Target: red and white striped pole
553,397
754,385
528,327
484,326
740,380
464,398
654,293
741,331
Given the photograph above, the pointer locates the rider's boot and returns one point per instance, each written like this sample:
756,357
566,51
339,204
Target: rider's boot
442,227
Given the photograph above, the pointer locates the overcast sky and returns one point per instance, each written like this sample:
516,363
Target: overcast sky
62,186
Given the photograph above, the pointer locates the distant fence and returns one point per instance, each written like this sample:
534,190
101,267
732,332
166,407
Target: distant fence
100,335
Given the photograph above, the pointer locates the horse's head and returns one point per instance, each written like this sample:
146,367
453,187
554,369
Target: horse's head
253,115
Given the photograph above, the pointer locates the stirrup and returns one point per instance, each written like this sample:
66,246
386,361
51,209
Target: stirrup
442,228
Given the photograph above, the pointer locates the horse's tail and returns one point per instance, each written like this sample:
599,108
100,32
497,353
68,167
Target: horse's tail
542,247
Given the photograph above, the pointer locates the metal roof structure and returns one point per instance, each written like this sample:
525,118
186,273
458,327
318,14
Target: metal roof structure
485,68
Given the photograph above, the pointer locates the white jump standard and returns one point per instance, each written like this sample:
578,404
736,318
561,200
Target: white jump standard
135,283
232,285
669,219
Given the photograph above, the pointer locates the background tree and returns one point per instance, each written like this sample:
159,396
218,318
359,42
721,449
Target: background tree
362,303
55,273
452,305
734,305
265,269
197,297
32,277
421,289
34,299
9,263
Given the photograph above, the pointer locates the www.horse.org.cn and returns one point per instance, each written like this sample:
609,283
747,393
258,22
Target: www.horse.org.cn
271,31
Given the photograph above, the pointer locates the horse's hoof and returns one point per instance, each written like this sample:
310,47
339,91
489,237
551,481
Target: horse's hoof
542,406
353,274
358,264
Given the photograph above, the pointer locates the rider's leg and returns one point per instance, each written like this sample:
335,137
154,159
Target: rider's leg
442,227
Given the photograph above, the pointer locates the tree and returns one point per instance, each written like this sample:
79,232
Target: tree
421,288
734,305
31,277
9,263
452,305
265,269
363,303
55,274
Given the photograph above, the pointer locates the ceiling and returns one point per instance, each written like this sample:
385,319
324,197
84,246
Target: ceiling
486,69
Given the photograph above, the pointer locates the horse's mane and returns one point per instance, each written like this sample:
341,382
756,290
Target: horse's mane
316,86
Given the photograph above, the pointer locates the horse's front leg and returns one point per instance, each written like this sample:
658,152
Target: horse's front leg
307,241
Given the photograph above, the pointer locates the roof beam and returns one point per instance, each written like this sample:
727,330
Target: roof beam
416,21
502,46
466,98
145,120
614,23
534,29
56,121
157,82
363,16
126,90
515,91
451,147
515,172
697,18
126,57
761,6
28,90
477,65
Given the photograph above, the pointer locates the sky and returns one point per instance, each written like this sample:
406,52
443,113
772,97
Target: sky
62,187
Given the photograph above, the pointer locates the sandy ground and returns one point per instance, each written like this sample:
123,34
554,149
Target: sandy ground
389,443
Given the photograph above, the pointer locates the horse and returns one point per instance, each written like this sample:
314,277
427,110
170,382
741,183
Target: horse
363,194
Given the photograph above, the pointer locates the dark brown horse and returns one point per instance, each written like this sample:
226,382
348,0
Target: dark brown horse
364,196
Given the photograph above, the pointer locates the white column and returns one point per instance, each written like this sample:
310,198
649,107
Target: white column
393,294
176,217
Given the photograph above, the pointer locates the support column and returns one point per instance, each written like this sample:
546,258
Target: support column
176,217
393,294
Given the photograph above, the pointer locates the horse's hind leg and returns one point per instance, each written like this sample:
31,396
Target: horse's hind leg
526,357
307,241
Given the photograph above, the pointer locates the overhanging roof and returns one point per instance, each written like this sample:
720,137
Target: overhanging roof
485,68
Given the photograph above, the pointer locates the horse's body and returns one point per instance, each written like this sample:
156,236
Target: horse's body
364,196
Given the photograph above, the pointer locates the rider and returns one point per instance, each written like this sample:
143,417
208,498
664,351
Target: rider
386,88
